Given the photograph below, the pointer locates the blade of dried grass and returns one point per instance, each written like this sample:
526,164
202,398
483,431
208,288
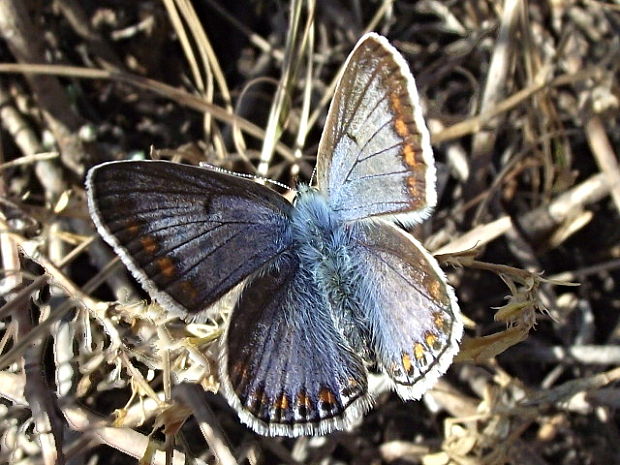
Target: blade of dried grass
75,14
567,204
43,327
27,45
575,354
125,440
282,101
180,96
23,134
41,402
254,38
581,273
28,159
604,155
212,70
542,116
564,392
207,54
193,396
478,122
494,90
329,91
302,131
42,280
569,227
177,23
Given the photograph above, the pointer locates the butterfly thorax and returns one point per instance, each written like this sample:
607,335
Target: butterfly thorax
323,243
314,225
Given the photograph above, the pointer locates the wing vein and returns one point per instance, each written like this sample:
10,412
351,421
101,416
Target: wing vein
379,175
404,278
241,264
380,152
359,160
163,253
211,252
360,98
370,204
186,223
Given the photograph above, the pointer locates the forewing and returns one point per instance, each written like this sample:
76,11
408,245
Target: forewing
285,368
375,156
414,320
188,234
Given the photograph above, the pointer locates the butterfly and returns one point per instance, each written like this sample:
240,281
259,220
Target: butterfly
328,285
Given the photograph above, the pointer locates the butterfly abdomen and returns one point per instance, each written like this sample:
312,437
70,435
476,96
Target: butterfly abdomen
323,243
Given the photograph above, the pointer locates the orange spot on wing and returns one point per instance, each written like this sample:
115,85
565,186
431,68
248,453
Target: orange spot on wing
188,290
257,401
409,155
412,186
282,402
303,400
433,286
418,351
133,228
351,389
411,150
417,197
303,405
166,266
431,339
395,102
407,362
240,377
326,396
401,127
239,369
439,320
149,244
399,123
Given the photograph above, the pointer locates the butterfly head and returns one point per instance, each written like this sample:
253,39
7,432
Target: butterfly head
304,190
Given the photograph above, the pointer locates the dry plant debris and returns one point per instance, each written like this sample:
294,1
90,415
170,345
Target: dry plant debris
522,99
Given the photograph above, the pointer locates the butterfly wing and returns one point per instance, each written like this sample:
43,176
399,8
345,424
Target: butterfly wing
375,156
188,234
285,368
414,320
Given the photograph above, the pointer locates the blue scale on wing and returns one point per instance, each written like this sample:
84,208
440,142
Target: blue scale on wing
189,234
371,159
287,369
411,311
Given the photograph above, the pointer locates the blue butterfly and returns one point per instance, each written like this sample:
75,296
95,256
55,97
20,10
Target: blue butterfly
328,285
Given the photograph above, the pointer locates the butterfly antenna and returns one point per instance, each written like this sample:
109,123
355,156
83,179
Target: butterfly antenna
247,176
312,176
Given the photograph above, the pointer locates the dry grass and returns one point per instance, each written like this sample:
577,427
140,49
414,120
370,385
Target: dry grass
522,99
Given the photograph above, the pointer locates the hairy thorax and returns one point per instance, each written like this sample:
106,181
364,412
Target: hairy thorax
315,226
